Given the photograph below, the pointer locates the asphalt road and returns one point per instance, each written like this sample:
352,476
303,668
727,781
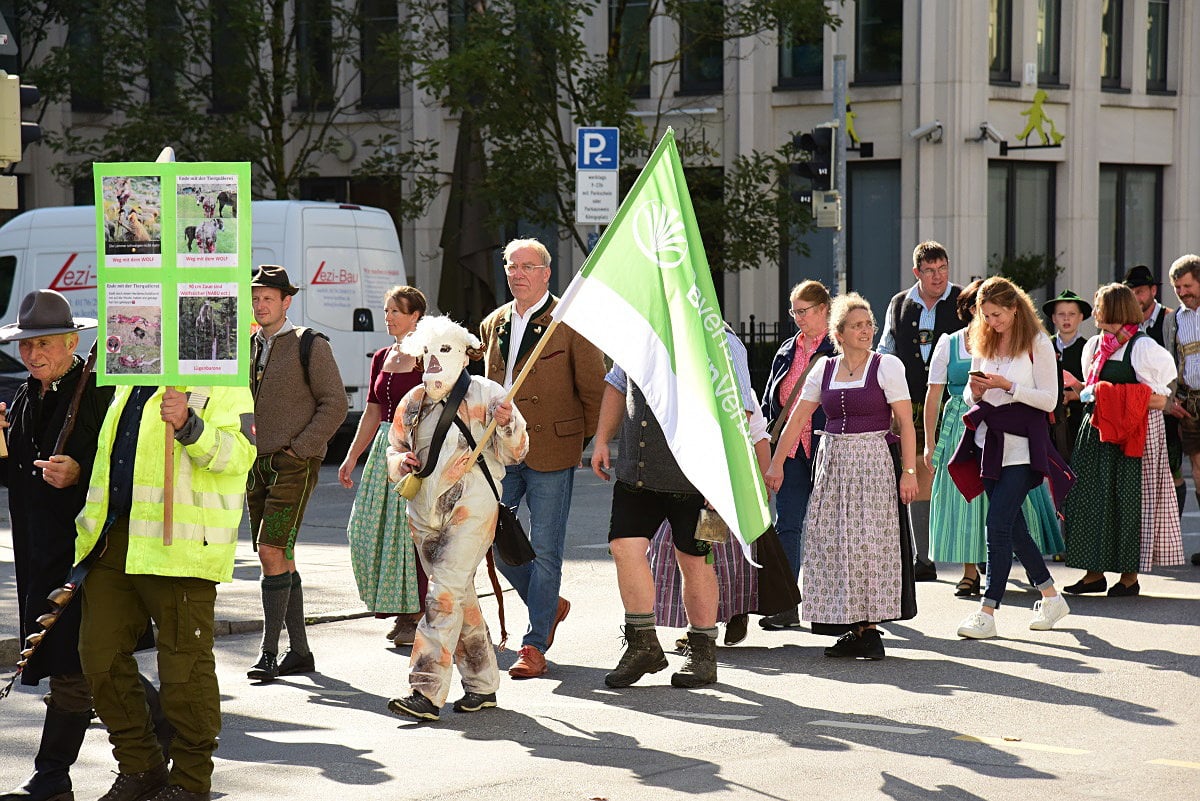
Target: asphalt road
1104,707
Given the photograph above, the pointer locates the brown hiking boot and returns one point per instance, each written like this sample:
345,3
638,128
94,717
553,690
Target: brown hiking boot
643,654
700,667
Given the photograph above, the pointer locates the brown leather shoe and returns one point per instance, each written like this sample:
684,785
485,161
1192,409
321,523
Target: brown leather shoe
560,614
529,665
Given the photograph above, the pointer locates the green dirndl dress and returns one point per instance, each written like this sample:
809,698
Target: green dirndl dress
381,547
1104,510
957,529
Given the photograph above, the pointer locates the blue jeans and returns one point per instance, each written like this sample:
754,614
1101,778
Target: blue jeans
1007,533
548,498
791,505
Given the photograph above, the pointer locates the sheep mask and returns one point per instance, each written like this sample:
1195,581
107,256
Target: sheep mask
445,348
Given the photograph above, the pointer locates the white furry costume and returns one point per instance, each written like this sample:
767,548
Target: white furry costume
453,516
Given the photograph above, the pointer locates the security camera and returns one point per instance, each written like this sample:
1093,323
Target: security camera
930,132
988,131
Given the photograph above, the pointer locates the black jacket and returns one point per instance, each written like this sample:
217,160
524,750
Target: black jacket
43,518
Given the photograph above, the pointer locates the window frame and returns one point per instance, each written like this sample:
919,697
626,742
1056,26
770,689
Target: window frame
865,76
1050,77
1000,39
691,80
379,75
1157,69
1111,77
1011,169
1120,233
786,51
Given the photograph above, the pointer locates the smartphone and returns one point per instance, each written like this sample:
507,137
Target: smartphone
978,374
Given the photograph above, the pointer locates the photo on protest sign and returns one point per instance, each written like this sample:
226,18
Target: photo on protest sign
208,329
133,329
132,209
206,221
178,316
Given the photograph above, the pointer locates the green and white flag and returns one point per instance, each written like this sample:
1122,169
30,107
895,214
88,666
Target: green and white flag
645,297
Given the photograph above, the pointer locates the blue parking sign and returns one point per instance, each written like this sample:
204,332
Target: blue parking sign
597,148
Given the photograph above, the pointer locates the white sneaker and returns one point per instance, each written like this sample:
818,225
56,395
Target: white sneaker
1049,611
978,626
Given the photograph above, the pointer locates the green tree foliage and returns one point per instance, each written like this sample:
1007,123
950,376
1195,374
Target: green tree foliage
1030,271
522,71
263,81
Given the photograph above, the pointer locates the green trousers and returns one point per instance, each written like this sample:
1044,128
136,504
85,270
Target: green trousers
115,608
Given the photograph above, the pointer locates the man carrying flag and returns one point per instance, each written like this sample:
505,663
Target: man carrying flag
645,297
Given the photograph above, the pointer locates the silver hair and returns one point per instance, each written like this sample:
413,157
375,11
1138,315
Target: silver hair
517,244
435,328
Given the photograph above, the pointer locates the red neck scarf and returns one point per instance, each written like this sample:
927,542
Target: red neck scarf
1109,344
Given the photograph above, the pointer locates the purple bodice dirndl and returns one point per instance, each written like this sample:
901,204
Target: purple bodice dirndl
855,410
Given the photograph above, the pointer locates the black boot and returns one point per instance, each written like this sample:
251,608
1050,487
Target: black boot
1181,497
643,654
700,667
62,735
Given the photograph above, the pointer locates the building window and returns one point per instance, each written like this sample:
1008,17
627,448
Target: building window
873,233
164,61
1159,12
1000,40
1020,212
85,54
230,58
379,80
878,41
1049,38
802,57
629,40
702,47
1110,43
314,54
1130,220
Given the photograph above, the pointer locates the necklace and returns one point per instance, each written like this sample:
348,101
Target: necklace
853,370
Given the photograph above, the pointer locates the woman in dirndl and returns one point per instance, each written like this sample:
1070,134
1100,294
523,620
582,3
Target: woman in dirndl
389,576
1123,517
957,528
858,560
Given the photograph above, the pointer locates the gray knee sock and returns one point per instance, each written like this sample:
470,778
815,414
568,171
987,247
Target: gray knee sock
297,636
275,593
711,633
918,518
636,621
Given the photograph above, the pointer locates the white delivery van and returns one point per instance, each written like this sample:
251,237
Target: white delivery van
343,257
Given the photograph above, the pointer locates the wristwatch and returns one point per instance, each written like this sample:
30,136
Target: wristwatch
912,471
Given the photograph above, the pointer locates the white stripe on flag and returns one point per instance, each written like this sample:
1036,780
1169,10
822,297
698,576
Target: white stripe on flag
639,351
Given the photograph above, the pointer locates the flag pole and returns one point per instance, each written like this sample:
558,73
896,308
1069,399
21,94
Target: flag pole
512,391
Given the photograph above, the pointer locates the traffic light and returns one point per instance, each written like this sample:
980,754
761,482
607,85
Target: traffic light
15,134
818,166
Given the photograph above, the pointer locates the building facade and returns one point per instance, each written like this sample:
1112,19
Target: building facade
1005,129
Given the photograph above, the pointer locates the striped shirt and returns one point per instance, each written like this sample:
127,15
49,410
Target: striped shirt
1188,321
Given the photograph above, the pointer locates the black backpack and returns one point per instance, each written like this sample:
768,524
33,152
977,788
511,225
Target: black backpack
307,335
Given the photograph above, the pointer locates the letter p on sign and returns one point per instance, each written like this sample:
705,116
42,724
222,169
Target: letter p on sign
597,149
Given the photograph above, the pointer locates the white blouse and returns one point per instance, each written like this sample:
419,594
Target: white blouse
1035,383
1151,362
891,379
939,363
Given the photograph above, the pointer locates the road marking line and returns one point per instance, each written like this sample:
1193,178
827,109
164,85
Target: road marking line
700,716
1175,763
593,545
867,727
1002,741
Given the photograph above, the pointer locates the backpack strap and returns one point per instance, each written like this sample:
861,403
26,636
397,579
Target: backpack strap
307,335
449,415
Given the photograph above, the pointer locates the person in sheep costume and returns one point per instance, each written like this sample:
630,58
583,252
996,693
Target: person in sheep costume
452,516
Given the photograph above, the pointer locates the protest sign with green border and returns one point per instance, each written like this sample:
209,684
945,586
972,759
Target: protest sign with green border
173,273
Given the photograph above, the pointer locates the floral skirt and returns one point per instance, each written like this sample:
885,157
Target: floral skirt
852,552
381,548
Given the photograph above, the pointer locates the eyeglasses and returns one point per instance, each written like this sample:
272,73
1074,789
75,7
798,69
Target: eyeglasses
943,270
803,311
525,268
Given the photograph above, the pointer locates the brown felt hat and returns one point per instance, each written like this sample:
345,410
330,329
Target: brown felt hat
44,312
274,276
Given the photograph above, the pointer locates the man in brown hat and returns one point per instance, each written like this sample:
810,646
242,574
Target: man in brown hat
45,493
299,403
